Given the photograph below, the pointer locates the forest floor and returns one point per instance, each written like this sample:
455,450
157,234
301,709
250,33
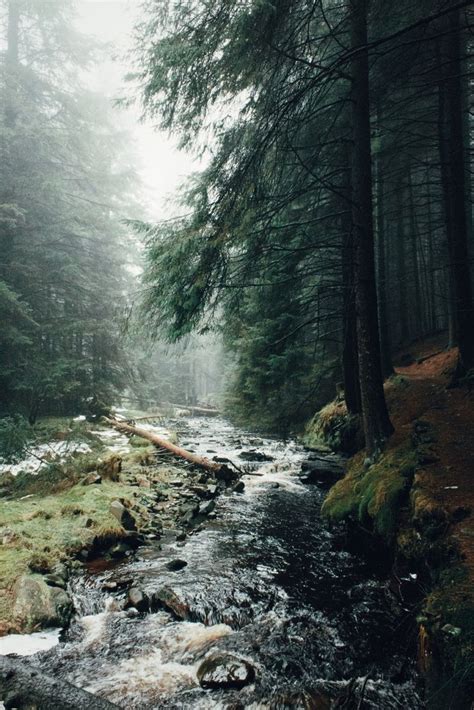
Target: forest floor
446,481
438,533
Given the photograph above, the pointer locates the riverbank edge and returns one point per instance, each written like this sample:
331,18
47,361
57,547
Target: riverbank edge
102,508
391,515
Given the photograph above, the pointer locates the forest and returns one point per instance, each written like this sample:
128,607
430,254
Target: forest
236,424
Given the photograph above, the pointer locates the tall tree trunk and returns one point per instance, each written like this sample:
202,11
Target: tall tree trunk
401,269
376,422
453,165
385,349
432,320
417,302
350,364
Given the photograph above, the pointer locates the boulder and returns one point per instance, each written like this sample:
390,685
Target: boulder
239,487
223,671
123,515
39,605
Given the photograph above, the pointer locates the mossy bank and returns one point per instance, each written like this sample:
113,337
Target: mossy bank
92,505
397,510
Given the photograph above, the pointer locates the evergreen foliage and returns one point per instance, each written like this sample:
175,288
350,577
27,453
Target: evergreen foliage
64,183
288,226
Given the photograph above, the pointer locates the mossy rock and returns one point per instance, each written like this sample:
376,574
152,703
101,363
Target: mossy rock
335,428
373,495
39,605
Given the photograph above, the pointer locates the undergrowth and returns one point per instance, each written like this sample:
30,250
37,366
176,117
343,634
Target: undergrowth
334,428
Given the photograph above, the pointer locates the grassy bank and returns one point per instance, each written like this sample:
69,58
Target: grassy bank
64,512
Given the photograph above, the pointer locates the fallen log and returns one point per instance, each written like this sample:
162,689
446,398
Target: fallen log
220,470
24,686
195,409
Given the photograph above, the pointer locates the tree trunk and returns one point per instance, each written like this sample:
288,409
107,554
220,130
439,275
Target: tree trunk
25,687
453,165
376,422
401,270
385,348
417,300
219,469
350,364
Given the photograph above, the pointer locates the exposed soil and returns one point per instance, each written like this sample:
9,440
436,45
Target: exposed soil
448,482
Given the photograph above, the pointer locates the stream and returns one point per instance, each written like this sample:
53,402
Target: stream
283,616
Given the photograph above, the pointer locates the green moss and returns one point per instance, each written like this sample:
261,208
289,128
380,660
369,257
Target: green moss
40,530
448,615
372,495
138,442
333,428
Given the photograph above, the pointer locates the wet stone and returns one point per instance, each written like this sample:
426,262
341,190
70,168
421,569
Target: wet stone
137,599
176,565
206,508
225,671
255,456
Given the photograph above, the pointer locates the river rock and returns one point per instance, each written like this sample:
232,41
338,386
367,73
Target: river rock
239,487
200,491
123,515
176,565
137,599
54,580
255,456
38,605
189,512
168,599
206,508
321,470
221,671
92,479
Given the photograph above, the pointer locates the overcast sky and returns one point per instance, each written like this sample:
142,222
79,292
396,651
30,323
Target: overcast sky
162,166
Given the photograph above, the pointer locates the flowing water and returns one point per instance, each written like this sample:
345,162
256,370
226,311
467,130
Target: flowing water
266,583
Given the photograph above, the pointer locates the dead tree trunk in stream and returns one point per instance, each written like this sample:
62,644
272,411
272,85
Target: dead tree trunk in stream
220,470
25,687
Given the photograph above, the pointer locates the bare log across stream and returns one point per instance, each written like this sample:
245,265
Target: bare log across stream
24,687
220,470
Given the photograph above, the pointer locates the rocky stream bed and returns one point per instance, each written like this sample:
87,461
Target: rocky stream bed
242,597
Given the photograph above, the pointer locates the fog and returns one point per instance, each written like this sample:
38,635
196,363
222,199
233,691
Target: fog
161,166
